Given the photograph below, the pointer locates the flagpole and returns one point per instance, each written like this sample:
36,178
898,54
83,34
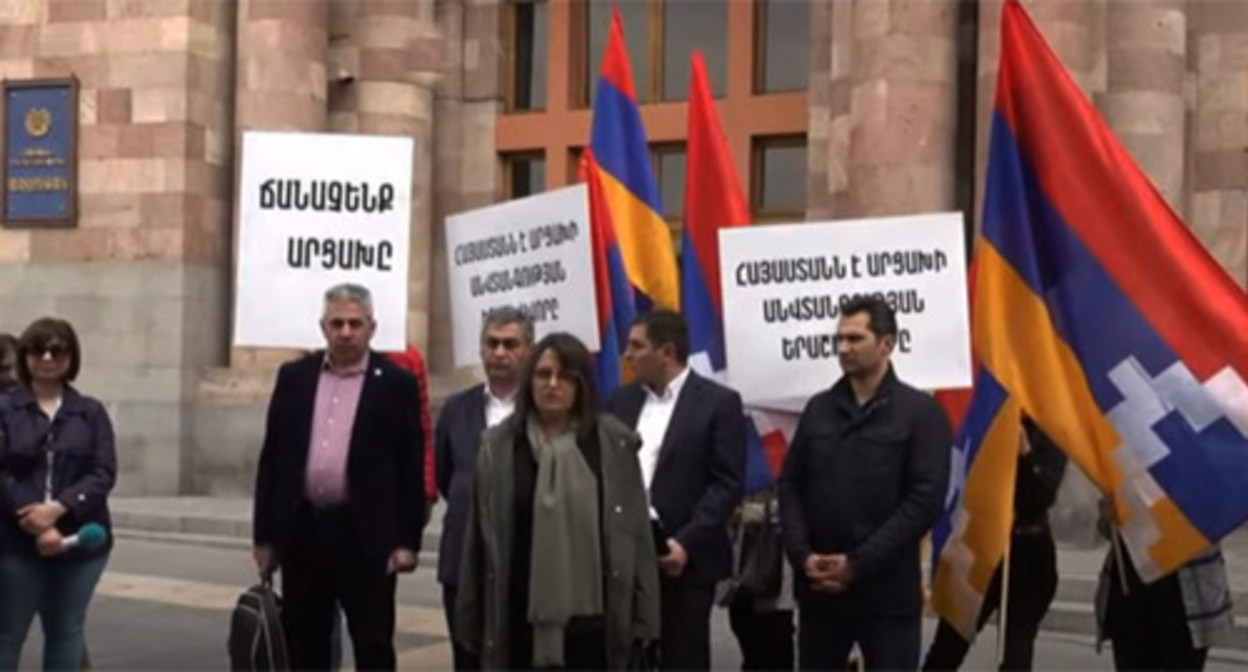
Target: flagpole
1119,557
1002,621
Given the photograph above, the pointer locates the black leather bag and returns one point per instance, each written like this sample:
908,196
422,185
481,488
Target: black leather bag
762,556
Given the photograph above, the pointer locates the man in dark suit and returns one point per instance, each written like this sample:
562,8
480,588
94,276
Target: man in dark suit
864,479
339,504
693,461
506,338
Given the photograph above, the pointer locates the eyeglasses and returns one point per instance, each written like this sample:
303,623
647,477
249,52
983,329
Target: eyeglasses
548,376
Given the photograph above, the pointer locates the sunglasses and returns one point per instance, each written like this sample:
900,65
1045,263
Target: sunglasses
338,323
56,351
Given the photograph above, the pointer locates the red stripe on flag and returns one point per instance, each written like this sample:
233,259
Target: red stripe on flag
713,197
615,69
1111,206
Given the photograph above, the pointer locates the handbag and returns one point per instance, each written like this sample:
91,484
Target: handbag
762,555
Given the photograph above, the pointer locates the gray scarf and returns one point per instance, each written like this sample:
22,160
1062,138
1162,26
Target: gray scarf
566,575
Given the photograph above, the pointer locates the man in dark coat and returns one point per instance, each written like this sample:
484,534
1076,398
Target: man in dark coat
506,338
339,505
863,481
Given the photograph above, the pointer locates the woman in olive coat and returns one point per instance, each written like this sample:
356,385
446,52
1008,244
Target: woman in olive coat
559,566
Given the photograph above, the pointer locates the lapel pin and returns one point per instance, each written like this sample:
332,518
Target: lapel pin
377,373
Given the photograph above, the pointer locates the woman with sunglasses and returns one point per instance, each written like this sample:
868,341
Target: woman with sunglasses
559,566
59,465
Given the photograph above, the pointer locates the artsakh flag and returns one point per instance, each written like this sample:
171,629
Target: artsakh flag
714,200
1098,314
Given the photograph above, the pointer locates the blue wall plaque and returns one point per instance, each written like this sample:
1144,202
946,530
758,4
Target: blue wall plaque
40,185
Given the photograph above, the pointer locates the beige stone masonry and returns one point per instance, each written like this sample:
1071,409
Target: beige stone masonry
901,113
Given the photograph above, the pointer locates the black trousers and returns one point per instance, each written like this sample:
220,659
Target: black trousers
464,659
765,637
325,565
827,633
1033,584
685,624
1148,625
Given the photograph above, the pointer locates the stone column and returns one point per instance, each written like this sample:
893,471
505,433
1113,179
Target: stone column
1075,29
1219,157
280,85
1144,102
902,106
399,61
469,99
819,104
985,93
281,65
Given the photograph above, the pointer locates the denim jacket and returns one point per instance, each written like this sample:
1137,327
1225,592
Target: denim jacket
70,458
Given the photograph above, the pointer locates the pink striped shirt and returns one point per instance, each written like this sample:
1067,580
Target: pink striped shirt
333,416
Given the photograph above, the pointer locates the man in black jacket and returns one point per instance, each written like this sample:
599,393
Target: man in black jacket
1033,561
506,338
863,481
339,502
693,462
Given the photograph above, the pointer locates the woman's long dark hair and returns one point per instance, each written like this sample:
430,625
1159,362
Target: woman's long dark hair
573,356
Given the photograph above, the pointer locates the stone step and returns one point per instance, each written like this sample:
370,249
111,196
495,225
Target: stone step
1080,618
209,517
1082,589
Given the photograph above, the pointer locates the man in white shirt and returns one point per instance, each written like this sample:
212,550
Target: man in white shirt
506,338
693,461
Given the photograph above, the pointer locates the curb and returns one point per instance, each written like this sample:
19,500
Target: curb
231,543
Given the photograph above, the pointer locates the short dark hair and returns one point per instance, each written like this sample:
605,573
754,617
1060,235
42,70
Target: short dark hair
8,343
881,319
42,333
666,327
504,315
573,356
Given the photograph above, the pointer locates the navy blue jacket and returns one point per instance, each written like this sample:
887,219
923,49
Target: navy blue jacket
83,459
457,433
698,479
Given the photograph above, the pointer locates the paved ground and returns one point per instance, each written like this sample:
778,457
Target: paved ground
165,606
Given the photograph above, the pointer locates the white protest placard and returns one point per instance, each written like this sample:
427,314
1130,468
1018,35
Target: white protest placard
316,210
533,254
783,287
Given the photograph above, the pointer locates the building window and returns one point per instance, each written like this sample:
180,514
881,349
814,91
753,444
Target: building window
636,17
660,35
527,28
669,174
524,174
574,164
689,25
778,185
783,62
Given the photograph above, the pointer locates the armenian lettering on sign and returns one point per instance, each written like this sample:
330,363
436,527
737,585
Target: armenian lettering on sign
784,289
531,253
315,210
40,155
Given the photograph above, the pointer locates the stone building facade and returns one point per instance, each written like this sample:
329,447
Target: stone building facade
833,108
